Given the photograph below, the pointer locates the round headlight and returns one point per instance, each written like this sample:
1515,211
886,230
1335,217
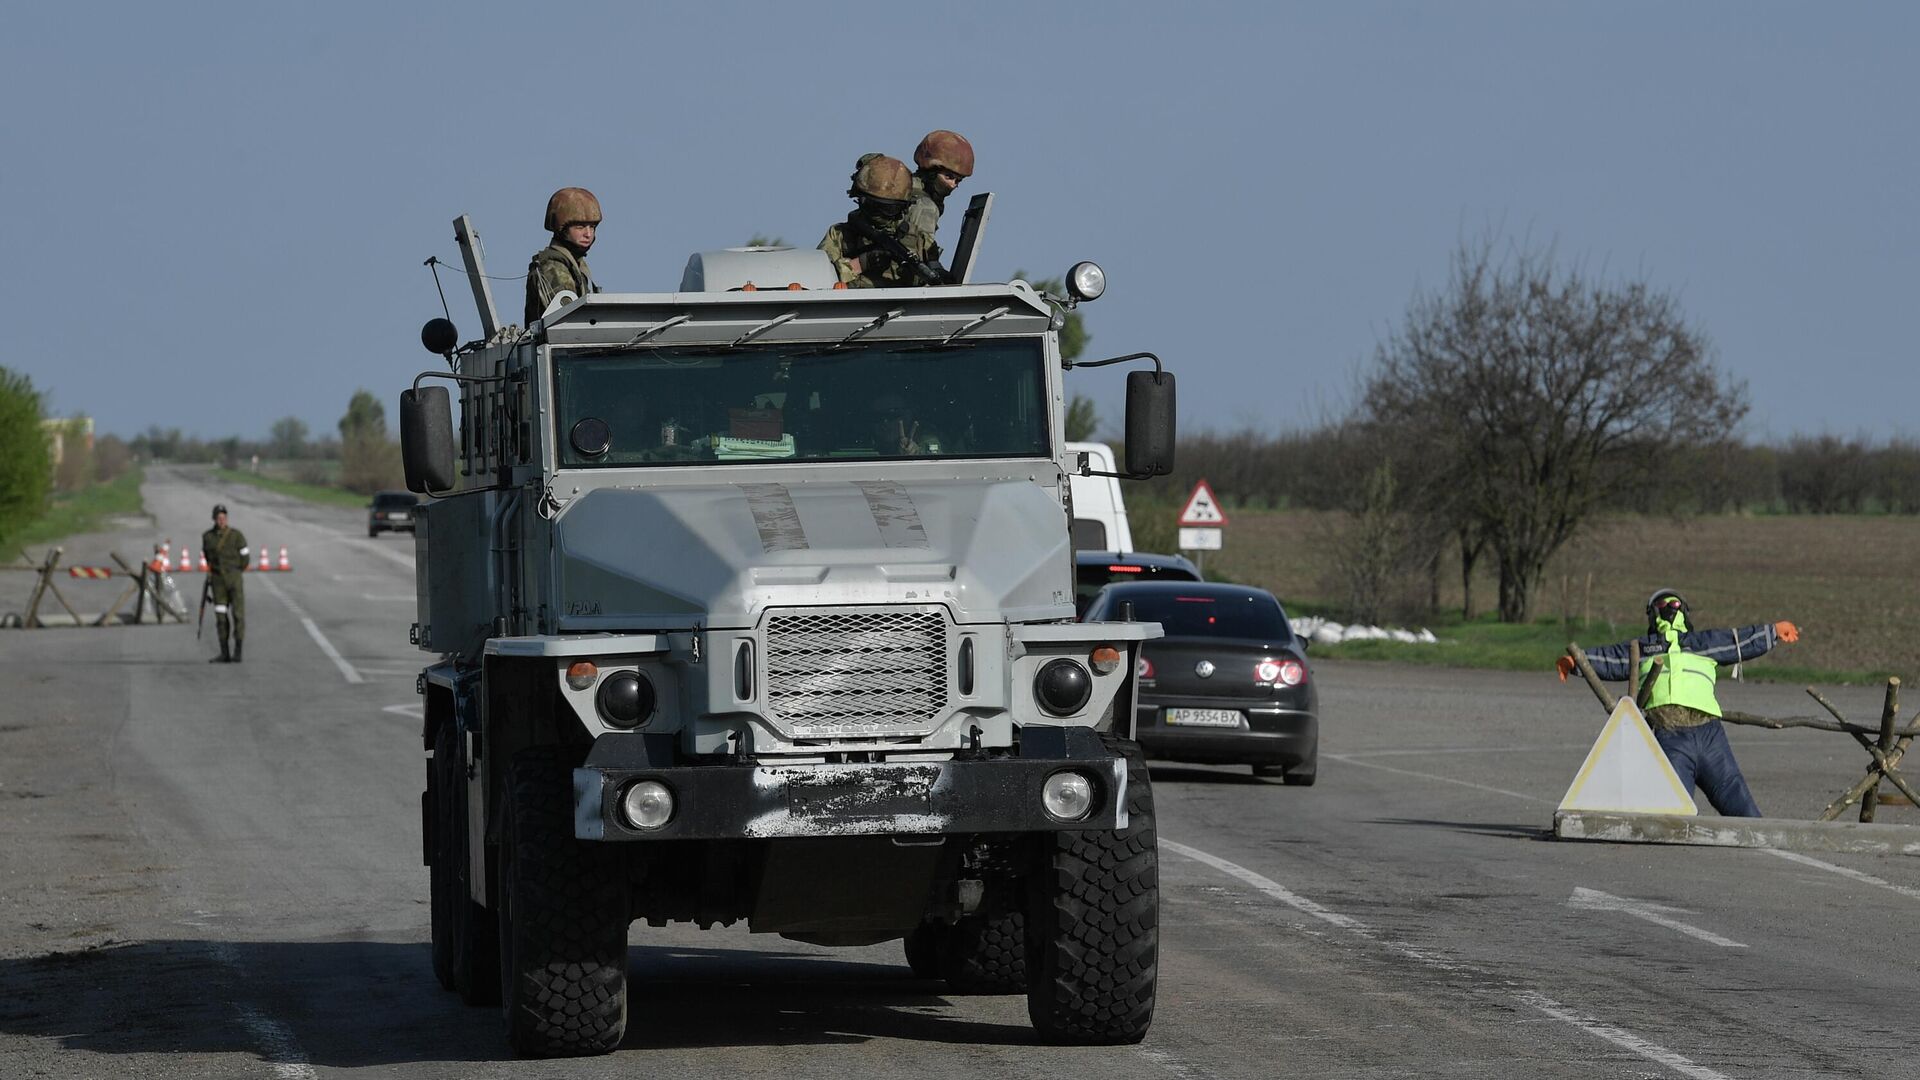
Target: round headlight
1062,686
1086,280
1067,796
647,804
625,699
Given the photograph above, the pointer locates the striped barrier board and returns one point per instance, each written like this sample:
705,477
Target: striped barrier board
90,571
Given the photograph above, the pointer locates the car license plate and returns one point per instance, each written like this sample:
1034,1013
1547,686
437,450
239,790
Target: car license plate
1204,717
398,517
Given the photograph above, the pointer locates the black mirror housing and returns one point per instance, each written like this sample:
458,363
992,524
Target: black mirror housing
1150,423
426,439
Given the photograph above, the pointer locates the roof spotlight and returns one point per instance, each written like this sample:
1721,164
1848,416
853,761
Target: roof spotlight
1086,281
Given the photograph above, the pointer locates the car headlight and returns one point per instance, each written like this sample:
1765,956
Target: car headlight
1067,796
647,804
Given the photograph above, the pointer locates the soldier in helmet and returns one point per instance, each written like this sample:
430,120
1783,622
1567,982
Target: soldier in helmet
943,159
873,248
225,549
573,216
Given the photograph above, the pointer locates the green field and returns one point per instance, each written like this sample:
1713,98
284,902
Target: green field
75,512
331,496
1851,583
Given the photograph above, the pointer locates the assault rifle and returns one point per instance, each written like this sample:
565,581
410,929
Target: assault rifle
931,273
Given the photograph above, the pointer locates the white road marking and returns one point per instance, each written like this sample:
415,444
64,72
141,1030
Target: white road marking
1594,900
1865,879
313,631
1621,1038
413,711
393,598
1346,759
1348,755
282,1051
1178,1066
1626,1040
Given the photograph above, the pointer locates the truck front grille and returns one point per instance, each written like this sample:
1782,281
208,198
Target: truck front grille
862,673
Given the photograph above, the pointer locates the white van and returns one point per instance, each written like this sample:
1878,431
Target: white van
1099,513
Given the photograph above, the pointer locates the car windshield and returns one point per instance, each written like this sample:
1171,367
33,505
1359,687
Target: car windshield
1231,615
1090,577
700,406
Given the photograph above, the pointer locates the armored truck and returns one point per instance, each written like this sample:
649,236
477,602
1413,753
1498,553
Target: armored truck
753,602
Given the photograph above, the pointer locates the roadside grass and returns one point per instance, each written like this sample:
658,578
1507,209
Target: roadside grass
1487,643
330,496
75,512
1851,583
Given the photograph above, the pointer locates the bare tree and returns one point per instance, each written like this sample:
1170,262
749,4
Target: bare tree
1534,393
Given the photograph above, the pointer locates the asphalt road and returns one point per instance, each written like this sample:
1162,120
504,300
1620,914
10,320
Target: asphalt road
215,870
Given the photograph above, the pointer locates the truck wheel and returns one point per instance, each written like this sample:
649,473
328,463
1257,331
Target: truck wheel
439,867
472,945
923,947
563,921
1093,924
986,954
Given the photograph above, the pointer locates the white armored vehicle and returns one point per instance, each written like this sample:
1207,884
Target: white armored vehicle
754,602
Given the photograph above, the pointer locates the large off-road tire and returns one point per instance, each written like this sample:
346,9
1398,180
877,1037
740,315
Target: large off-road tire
1093,924
439,867
563,921
986,953
471,942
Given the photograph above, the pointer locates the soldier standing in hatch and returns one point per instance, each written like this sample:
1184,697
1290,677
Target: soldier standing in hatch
573,217
225,549
942,160
867,249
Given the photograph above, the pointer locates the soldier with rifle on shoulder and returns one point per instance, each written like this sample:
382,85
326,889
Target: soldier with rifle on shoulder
873,248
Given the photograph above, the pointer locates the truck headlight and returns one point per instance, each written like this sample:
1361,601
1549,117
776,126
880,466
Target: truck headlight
625,700
1067,796
647,804
1062,686
1086,281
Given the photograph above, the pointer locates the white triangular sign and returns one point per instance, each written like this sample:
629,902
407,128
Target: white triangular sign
1627,772
1202,508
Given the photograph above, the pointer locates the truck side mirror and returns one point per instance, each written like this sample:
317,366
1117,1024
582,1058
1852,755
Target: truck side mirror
1150,427
426,439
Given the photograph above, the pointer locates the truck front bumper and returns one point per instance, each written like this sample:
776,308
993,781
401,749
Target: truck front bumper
770,800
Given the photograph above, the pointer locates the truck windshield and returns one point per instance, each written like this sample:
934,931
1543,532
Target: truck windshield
694,406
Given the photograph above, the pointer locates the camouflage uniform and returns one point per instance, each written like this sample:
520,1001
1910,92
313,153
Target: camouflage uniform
554,269
923,217
878,269
226,553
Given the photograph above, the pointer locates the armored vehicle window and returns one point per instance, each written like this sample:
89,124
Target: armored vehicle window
693,406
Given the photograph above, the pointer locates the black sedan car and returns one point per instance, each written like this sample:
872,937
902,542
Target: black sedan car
390,510
1095,570
1228,684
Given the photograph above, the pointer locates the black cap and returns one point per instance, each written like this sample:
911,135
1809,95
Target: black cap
219,508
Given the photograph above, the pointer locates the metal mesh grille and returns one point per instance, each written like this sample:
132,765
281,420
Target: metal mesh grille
857,674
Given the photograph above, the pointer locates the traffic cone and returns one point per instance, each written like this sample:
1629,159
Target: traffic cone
284,563
186,561
203,562
158,564
263,560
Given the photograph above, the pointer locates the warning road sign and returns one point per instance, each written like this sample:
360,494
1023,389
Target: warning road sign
1202,508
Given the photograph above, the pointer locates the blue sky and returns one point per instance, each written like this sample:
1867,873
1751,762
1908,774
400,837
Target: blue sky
215,215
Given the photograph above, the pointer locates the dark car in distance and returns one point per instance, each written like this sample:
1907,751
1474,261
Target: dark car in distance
1228,684
390,510
1095,570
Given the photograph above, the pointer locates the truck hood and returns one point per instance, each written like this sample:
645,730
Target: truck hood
716,556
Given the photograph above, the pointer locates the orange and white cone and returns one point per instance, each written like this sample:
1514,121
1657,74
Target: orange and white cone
203,562
285,564
263,560
186,561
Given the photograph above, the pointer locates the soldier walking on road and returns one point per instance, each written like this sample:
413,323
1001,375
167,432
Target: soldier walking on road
573,217
225,549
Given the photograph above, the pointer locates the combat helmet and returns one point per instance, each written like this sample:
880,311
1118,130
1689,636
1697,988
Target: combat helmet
570,206
218,509
943,149
883,177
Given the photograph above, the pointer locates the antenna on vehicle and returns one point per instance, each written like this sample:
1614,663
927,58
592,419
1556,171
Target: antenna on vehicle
470,253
